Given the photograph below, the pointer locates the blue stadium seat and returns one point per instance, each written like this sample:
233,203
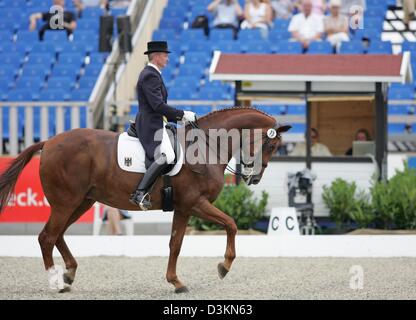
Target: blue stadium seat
19,48
198,58
287,47
351,47
70,71
375,11
320,47
196,45
193,70
171,23
11,59
401,93
86,36
370,34
33,83
86,25
5,36
60,83
212,94
92,70
99,58
399,109
27,36
55,95
409,46
165,34
189,82
5,85
192,34
45,59
35,71
8,72
279,35
71,58
255,46
92,13
281,24
180,94
249,35
411,162
174,12
87,82
71,47
43,47
81,94
221,34
168,72
55,36
380,47
374,23
21,95
229,46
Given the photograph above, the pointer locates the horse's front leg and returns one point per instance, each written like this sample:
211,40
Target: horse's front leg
180,221
205,210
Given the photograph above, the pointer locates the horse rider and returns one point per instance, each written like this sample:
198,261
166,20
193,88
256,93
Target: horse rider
154,112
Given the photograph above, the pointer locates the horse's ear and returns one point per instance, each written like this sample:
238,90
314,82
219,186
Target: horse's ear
282,128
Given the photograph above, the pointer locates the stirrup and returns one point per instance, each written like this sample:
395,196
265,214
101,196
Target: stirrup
145,204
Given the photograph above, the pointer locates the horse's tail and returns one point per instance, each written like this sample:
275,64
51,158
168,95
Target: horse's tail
9,177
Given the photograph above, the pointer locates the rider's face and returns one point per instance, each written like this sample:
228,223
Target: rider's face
162,59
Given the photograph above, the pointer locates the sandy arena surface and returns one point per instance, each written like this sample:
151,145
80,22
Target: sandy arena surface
250,278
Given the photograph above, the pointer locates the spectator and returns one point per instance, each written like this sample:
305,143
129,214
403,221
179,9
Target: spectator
409,7
258,14
354,10
360,135
227,14
114,216
336,25
317,148
52,23
282,9
306,26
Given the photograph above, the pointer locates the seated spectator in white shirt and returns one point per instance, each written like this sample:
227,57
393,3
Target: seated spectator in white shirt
336,25
227,14
306,26
282,9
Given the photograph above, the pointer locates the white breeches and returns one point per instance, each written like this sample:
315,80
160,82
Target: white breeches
166,147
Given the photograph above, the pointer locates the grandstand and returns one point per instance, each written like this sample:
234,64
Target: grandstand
64,71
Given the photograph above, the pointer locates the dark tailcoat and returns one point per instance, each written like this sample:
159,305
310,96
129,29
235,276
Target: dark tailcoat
152,95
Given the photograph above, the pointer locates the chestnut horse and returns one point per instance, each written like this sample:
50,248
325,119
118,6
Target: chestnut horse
79,167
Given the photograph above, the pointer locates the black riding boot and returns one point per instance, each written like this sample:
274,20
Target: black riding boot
141,196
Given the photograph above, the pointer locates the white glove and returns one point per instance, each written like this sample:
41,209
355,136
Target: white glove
189,116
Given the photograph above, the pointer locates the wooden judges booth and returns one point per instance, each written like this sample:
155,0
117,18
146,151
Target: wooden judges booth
343,93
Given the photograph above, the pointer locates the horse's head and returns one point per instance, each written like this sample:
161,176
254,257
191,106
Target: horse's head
271,139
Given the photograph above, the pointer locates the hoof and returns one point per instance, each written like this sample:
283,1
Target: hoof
182,290
67,288
68,279
222,271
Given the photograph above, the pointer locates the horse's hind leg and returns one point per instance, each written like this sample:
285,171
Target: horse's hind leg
70,262
47,240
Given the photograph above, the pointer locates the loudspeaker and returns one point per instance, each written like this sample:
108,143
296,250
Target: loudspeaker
124,34
106,33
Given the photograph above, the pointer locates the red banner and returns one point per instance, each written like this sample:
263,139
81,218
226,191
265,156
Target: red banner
28,202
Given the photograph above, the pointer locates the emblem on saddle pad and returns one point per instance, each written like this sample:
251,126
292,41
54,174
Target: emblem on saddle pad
128,161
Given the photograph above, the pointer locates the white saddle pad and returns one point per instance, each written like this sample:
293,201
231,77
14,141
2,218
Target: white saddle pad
131,155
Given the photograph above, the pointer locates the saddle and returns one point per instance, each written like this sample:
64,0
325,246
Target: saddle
173,136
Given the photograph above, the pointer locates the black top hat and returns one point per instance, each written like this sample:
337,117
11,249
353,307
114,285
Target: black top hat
157,46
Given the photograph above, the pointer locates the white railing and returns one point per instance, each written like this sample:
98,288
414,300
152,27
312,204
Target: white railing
28,137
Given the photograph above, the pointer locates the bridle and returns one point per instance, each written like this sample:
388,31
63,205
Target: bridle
248,168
